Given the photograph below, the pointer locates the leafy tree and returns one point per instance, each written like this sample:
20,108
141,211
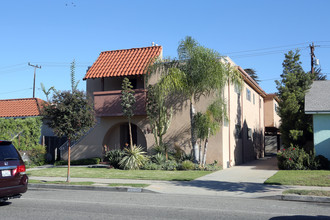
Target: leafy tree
253,74
158,111
127,103
199,73
318,75
70,114
296,126
208,124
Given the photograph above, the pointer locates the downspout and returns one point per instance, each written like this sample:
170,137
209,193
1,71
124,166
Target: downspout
229,123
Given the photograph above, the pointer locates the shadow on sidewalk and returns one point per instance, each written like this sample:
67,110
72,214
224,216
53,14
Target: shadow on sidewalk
230,186
265,163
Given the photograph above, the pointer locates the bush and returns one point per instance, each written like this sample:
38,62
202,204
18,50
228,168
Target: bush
324,163
114,157
170,165
151,166
88,161
134,158
295,158
37,155
159,159
187,165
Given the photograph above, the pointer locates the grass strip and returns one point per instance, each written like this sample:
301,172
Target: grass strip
61,182
140,185
301,178
103,173
308,192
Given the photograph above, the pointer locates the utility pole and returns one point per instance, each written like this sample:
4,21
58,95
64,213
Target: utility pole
34,78
312,48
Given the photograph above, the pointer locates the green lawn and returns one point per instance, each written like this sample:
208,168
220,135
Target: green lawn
301,178
84,172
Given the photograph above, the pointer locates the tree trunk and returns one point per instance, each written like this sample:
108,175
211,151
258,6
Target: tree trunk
130,134
205,148
69,160
193,135
200,152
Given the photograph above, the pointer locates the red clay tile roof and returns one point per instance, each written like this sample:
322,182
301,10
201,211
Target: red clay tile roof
126,62
20,107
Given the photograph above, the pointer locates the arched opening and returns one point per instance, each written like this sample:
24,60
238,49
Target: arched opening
117,137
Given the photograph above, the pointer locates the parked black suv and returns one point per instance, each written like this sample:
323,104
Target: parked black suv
13,180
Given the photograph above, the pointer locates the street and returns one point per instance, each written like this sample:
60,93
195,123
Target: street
74,204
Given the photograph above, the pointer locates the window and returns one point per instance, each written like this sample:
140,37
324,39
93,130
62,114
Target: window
249,134
254,99
276,107
248,94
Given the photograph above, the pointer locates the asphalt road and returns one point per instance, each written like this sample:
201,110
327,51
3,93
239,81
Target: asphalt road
74,204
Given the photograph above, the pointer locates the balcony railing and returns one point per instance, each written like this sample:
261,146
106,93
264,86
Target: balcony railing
107,103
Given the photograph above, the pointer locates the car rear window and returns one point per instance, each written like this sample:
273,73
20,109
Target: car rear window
8,152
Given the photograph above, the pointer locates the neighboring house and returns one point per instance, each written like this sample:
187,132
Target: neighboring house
31,107
317,103
272,124
241,139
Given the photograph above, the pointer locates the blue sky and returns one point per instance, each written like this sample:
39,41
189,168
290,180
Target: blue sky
52,33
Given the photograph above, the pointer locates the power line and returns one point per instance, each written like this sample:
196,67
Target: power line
268,48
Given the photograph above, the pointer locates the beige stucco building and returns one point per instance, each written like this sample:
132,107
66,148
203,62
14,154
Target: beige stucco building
240,139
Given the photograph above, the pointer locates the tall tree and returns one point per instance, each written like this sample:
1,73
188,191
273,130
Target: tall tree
199,72
296,126
253,74
159,114
70,114
127,103
318,75
207,124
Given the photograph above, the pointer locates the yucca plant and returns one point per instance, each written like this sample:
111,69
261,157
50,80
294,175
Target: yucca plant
133,159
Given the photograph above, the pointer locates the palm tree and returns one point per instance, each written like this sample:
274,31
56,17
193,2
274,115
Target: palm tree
199,72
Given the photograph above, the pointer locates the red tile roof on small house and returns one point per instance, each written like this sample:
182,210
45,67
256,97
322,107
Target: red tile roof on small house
26,107
126,62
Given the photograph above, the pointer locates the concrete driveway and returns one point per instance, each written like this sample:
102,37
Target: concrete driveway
243,181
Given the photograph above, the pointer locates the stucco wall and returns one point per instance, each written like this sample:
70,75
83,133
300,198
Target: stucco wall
321,125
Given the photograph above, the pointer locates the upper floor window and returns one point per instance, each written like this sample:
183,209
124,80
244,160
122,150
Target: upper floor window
276,107
254,99
248,94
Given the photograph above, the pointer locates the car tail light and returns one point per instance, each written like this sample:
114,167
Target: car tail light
19,169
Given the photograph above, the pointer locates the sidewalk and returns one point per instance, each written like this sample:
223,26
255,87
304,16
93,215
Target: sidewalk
239,181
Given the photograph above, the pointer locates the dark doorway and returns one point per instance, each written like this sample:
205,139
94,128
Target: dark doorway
124,135
52,144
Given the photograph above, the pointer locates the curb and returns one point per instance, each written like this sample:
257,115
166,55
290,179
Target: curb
317,199
92,188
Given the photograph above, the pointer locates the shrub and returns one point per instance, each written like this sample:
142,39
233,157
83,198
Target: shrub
134,158
87,161
114,157
324,163
187,165
295,158
170,165
37,155
159,159
151,166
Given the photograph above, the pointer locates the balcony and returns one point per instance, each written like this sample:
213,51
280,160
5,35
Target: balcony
107,103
